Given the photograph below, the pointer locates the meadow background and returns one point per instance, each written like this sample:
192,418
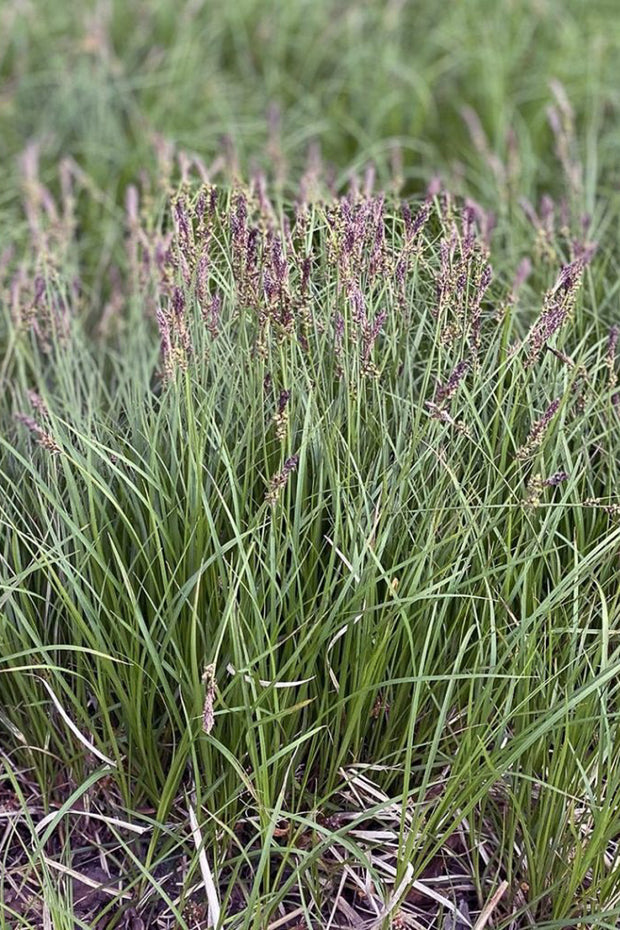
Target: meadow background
309,619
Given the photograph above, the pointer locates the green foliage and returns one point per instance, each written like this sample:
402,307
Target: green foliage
323,563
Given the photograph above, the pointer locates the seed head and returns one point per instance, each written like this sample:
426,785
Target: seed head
557,478
538,431
280,417
42,437
610,358
208,717
558,305
446,391
280,480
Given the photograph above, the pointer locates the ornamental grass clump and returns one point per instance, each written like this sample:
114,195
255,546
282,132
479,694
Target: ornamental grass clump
316,603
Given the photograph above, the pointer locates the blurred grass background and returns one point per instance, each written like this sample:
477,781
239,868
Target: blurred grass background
97,80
